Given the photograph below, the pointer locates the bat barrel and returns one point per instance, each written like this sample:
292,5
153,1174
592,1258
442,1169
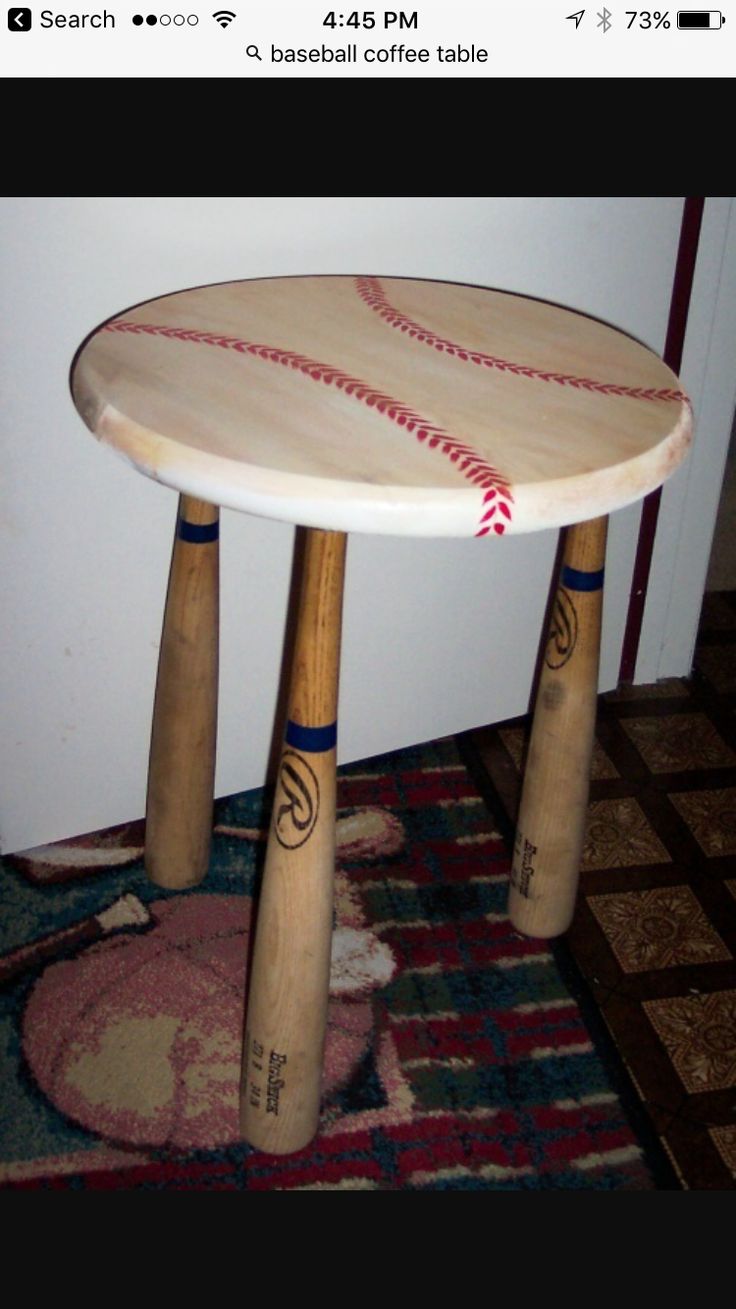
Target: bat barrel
287,1004
553,810
181,771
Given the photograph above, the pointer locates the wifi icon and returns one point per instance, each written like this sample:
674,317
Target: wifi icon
224,17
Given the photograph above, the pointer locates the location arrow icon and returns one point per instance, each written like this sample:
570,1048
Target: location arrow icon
577,18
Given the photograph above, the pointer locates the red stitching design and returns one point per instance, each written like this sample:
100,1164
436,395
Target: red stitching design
497,497
371,291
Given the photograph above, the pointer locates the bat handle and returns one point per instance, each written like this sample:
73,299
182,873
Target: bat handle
553,809
181,769
288,993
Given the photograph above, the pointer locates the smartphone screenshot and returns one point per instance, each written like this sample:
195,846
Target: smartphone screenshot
323,39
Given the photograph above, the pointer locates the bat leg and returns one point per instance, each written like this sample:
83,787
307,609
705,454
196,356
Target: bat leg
181,770
554,801
288,992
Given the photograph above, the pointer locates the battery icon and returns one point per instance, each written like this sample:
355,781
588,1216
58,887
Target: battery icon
700,19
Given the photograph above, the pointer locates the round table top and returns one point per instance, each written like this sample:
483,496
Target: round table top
384,404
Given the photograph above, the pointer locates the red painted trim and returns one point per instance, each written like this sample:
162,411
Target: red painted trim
682,286
497,498
371,291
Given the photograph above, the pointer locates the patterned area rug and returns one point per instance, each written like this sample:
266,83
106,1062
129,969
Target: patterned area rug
458,1057
655,929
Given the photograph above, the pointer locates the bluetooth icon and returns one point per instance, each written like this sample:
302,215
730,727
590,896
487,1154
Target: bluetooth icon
605,17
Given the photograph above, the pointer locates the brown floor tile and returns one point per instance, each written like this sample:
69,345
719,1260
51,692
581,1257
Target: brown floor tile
660,928
659,1087
619,835
696,1157
699,1034
514,739
711,817
724,1139
678,742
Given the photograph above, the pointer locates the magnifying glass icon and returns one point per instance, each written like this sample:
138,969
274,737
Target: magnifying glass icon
252,51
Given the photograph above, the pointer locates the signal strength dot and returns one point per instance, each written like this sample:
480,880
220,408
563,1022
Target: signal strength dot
224,17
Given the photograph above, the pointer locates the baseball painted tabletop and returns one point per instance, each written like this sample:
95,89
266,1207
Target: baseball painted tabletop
383,404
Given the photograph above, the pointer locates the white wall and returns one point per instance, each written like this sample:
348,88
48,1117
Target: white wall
439,635
690,499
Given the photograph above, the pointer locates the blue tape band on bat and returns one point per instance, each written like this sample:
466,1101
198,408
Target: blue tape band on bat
578,581
313,739
198,533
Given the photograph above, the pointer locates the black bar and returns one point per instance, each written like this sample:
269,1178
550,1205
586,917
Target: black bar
694,19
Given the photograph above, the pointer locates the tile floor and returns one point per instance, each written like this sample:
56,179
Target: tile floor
654,934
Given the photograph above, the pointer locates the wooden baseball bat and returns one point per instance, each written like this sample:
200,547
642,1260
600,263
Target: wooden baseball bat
181,770
288,993
553,810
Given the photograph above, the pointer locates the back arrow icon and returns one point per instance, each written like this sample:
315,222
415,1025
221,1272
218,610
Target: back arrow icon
577,18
